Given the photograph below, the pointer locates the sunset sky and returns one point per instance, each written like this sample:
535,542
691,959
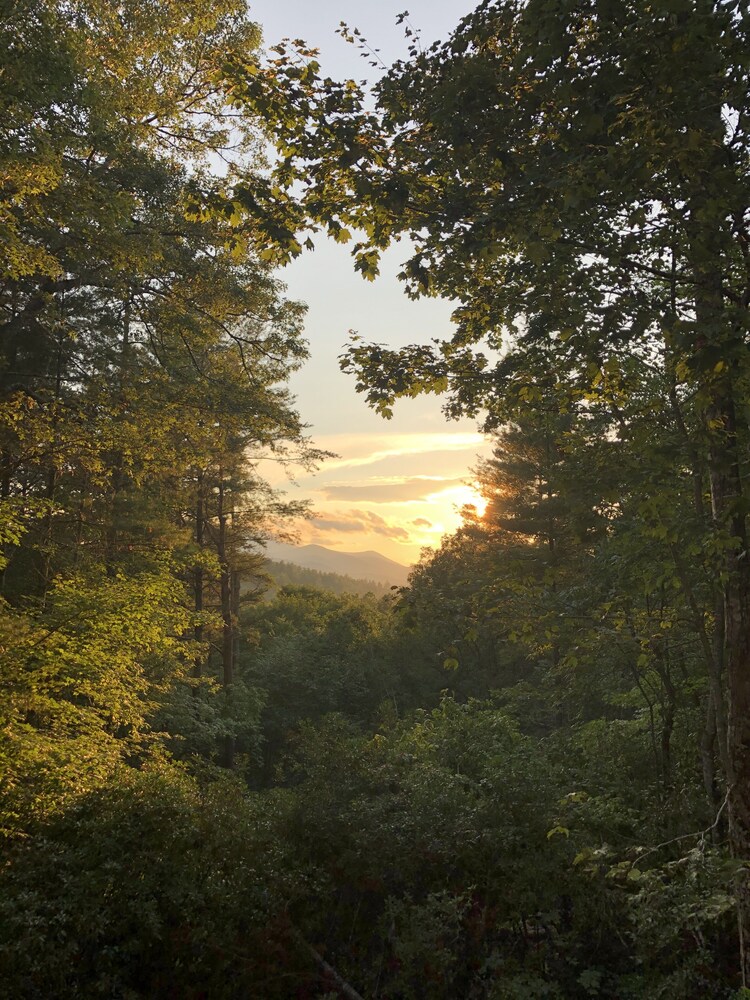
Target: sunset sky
397,485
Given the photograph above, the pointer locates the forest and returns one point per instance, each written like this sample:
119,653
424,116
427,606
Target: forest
526,773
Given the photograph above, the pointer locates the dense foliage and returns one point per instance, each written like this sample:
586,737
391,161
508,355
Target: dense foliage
519,776
143,357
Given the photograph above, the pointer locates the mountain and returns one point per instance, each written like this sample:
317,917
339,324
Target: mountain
359,565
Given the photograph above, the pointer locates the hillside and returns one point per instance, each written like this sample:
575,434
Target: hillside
357,565
286,573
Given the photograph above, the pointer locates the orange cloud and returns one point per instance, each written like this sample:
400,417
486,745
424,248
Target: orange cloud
361,521
415,488
375,449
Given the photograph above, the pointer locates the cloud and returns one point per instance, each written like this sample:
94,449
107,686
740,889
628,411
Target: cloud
362,521
396,446
422,522
415,488
326,524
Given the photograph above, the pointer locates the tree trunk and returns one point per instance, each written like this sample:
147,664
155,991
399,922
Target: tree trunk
737,646
708,744
200,521
728,512
227,630
118,477
719,342
235,609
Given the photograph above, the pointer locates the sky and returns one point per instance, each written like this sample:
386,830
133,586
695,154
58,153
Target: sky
397,485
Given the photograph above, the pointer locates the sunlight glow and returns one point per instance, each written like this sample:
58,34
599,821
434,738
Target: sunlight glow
462,496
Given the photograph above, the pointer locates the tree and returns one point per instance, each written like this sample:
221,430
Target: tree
143,343
314,652
556,182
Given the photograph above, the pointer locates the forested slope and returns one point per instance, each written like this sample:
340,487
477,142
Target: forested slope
519,776
286,573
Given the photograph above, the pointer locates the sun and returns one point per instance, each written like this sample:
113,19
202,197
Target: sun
458,497
469,496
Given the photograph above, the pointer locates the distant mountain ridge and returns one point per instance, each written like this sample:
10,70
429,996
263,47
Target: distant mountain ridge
358,565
